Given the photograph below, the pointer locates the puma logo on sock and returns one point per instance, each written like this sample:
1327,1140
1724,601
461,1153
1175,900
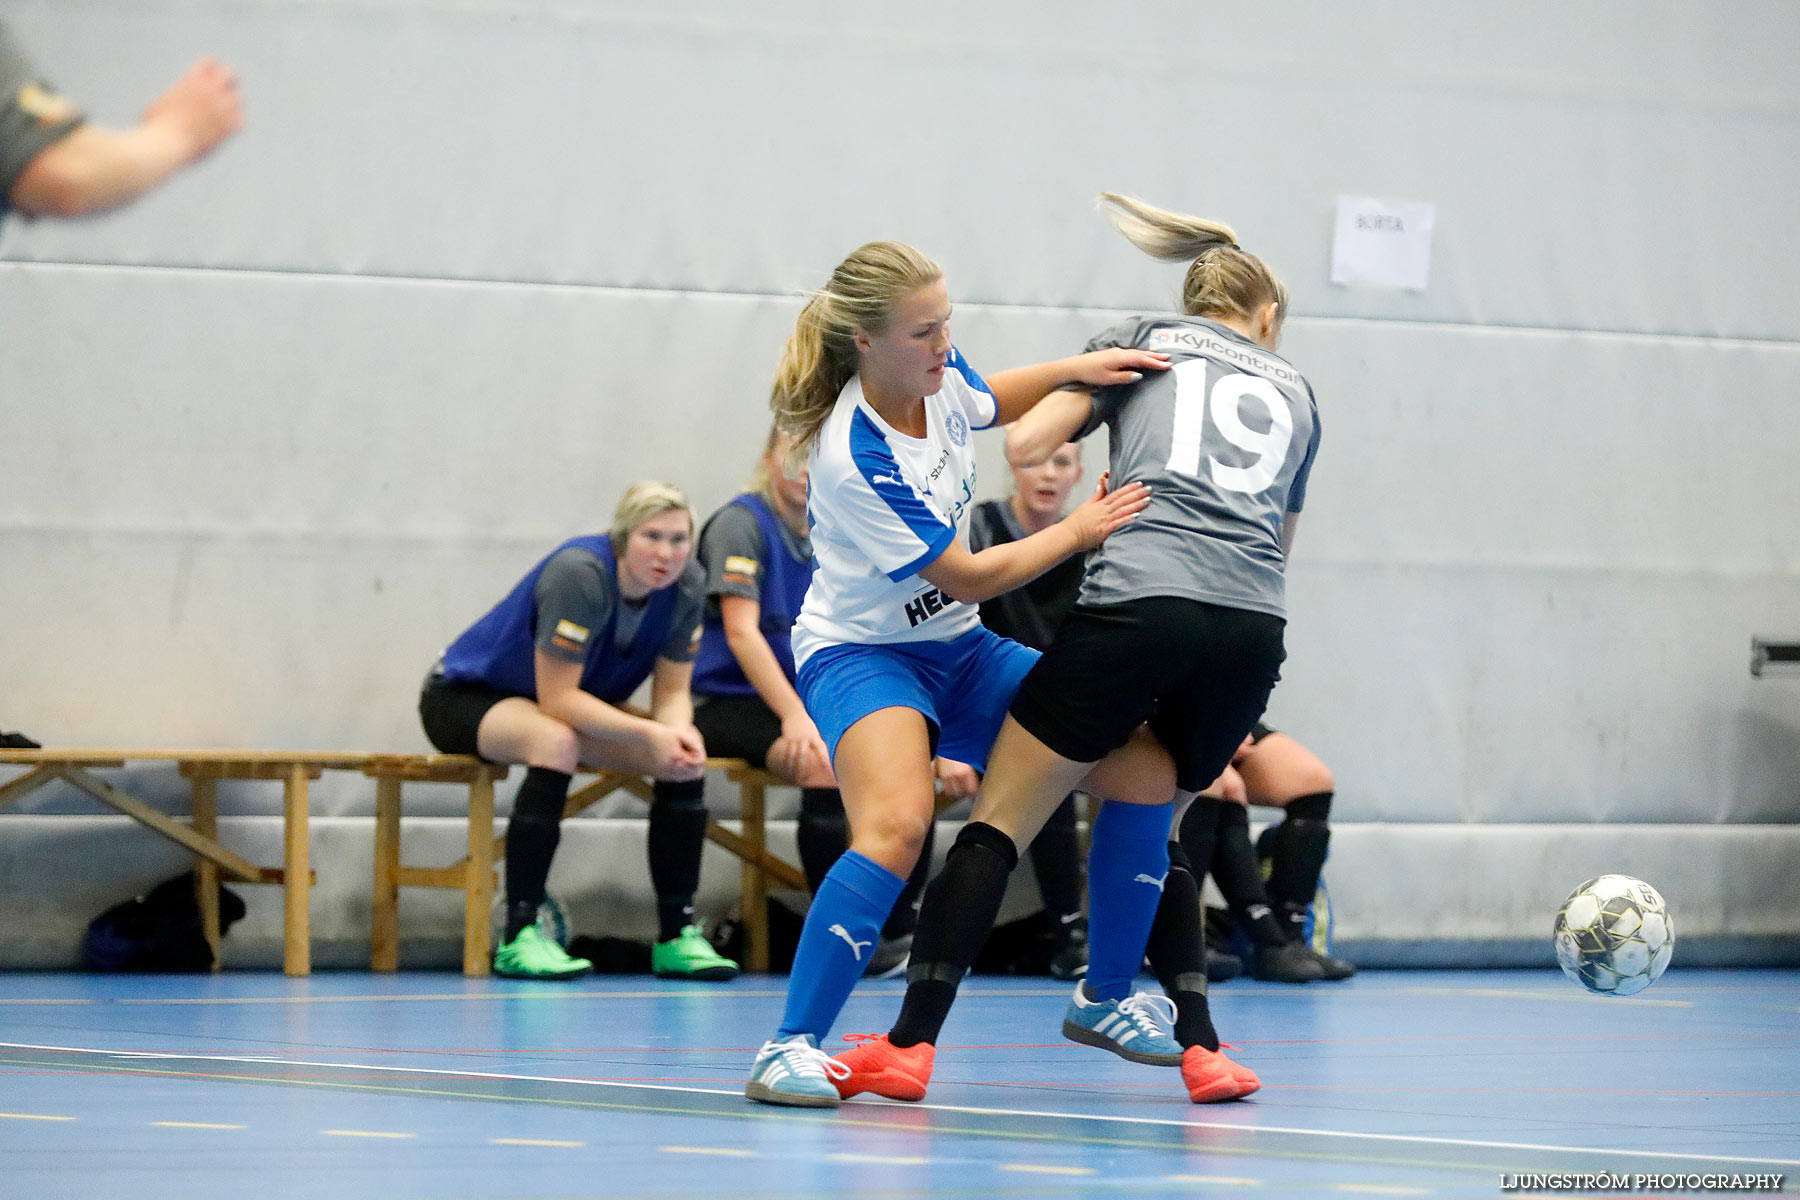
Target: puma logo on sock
856,947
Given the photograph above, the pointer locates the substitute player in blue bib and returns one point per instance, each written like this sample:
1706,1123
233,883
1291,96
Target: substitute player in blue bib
894,665
1179,624
540,680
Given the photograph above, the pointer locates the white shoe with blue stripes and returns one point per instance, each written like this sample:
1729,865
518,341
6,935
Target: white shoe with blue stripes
794,1071
1136,1028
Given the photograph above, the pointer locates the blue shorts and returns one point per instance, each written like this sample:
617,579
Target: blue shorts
962,687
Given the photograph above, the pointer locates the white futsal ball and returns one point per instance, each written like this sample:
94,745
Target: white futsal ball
1614,935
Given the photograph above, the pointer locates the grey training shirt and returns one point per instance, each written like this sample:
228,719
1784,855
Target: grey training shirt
576,586
32,116
1225,439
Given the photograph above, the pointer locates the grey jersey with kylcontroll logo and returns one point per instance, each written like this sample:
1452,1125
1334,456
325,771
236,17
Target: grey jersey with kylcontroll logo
1225,438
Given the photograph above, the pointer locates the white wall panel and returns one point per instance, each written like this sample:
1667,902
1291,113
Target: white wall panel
1525,585
1613,166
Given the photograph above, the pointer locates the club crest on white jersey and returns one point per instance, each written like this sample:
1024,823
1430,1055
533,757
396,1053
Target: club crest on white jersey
883,506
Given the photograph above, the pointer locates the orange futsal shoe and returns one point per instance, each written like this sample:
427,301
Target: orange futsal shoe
1211,1077
877,1065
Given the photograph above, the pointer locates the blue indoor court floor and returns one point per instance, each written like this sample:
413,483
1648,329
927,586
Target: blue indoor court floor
344,1086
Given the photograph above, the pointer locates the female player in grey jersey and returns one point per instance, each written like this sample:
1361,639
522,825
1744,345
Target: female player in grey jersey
1180,625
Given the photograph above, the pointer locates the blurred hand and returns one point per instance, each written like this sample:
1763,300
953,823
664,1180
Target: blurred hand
200,110
799,754
676,753
955,779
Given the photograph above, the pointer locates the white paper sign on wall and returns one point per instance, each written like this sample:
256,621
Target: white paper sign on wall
1382,244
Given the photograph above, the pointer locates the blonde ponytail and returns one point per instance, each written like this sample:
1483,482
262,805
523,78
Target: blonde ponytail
1223,280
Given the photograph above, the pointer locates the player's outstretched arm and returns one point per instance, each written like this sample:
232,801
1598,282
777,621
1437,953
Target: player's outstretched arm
1017,390
95,169
973,578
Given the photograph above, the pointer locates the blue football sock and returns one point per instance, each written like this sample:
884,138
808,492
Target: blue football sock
1127,864
842,929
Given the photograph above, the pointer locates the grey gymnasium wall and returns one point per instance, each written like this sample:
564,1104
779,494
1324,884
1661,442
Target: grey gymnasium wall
274,435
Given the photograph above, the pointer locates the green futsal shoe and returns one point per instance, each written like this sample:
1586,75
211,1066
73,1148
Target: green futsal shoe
688,955
531,955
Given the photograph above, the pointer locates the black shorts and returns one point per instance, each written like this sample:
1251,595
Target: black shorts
1199,673
737,727
451,712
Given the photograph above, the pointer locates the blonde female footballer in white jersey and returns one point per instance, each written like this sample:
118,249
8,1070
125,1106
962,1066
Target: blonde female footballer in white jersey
894,666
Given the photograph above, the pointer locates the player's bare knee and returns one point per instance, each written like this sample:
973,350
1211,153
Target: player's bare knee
554,746
894,839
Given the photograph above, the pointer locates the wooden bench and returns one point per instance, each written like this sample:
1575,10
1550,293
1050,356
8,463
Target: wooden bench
474,873
203,769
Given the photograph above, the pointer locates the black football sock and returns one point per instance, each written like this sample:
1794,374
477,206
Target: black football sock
531,840
1298,856
677,836
954,921
1177,953
1239,876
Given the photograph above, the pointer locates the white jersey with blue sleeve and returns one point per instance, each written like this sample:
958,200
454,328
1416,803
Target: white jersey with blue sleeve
883,505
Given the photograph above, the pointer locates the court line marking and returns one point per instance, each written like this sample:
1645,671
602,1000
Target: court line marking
33,1117
839,1119
368,1133
1097,1118
1382,1189
714,1151
533,1142
880,1160
1045,1169
191,1125
1215,1180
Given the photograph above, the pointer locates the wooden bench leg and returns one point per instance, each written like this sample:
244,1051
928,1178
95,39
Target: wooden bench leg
384,926
206,871
756,886
478,886
297,875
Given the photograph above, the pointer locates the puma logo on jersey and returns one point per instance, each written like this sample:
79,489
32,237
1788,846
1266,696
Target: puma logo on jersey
899,480
1152,880
856,947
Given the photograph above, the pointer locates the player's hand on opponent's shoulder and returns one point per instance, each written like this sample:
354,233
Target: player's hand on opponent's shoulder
200,110
1106,510
1104,368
